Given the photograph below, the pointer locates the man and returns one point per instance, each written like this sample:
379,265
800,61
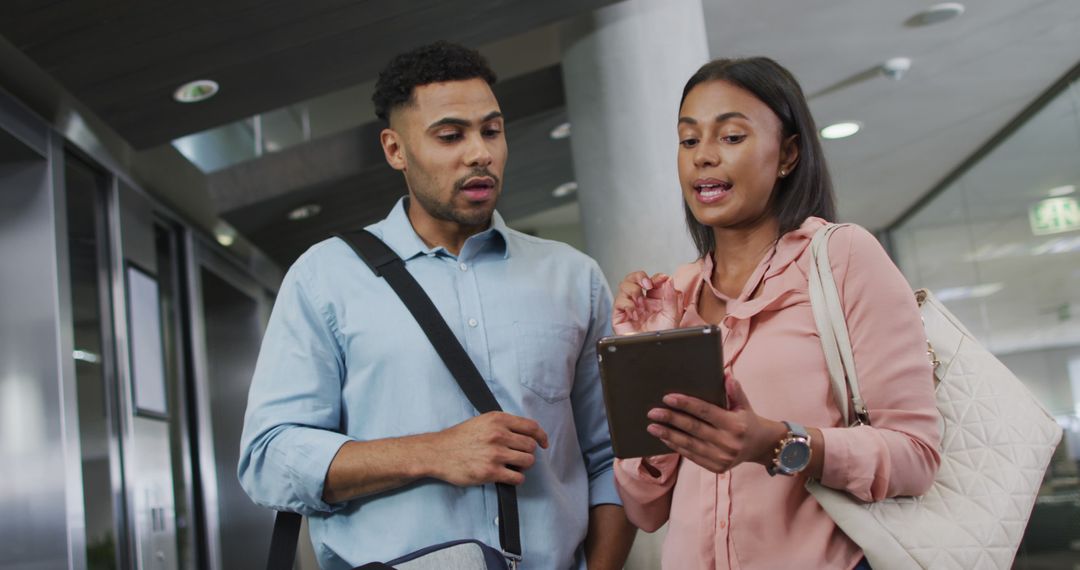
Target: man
354,421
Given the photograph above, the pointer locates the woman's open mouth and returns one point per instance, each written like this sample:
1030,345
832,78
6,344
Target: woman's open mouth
711,190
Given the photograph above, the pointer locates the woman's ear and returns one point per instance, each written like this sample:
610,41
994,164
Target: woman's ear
789,155
393,149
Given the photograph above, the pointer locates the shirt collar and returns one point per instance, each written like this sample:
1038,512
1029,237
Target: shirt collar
398,233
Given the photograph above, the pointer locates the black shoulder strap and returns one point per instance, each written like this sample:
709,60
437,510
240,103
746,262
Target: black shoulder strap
386,264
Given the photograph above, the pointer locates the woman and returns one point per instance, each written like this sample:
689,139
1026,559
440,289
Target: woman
756,189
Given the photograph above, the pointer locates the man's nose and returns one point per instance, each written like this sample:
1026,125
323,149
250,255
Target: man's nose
478,153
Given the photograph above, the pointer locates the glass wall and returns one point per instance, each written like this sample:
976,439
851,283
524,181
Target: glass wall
999,244
87,250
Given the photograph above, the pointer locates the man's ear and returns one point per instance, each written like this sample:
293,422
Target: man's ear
394,149
789,153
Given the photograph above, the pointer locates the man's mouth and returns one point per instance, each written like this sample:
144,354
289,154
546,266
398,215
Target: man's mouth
711,189
479,188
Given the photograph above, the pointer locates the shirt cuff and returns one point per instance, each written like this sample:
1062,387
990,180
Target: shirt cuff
840,467
634,469
602,489
310,453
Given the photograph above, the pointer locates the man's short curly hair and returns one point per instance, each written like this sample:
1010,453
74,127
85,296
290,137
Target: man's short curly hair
433,63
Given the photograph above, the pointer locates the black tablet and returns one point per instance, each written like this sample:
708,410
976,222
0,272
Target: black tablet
638,370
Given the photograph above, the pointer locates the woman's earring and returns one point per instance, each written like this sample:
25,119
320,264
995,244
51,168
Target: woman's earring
783,173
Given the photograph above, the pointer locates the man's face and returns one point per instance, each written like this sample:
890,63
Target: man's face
449,143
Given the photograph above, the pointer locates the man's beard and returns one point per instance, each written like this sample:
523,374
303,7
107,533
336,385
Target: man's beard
447,212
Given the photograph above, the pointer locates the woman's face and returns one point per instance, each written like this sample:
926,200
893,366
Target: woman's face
731,153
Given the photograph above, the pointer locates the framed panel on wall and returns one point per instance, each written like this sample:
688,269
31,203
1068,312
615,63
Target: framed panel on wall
147,345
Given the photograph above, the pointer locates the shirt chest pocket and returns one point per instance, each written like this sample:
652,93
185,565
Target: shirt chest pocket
547,355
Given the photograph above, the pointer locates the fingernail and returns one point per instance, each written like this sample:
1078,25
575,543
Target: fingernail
655,430
646,284
671,400
657,414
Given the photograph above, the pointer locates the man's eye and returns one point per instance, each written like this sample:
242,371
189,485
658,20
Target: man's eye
492,133
688,143
449,137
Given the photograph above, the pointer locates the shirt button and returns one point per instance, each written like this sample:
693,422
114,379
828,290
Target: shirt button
473,322
723,524
463,267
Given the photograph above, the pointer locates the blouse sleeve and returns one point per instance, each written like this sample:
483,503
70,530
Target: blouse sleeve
898,454
647,497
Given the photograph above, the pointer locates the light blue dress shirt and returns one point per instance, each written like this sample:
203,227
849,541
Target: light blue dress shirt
343,359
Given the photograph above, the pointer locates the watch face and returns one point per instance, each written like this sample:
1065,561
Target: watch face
795,455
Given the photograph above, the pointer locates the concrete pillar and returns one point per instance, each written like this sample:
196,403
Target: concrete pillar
624,68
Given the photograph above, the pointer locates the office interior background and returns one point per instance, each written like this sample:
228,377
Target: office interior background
163,163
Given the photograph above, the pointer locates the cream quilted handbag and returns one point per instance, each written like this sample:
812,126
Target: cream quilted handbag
996,444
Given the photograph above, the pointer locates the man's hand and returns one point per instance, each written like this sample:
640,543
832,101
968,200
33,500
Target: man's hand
491,448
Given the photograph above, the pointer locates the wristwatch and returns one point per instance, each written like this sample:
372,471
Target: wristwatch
793,452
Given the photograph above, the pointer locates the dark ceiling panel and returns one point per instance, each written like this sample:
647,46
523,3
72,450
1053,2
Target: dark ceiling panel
537,164
347,153
124,58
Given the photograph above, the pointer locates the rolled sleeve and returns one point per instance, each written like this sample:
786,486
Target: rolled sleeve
588,400
309,455
647,497
294,404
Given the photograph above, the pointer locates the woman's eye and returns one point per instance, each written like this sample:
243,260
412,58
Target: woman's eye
688,143
733,139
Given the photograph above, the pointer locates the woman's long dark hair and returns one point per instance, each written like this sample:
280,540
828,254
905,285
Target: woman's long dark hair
807,191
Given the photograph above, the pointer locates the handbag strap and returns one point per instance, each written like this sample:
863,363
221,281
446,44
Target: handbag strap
386,264
832,328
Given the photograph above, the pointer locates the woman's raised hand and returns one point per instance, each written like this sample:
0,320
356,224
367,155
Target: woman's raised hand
645,303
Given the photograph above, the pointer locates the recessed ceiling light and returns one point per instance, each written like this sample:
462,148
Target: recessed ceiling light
565,189
935,14
224,234
561,132
1061,191
196,91
305,212
841,130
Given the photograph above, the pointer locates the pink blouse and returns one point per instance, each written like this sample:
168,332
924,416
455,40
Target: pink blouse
747,519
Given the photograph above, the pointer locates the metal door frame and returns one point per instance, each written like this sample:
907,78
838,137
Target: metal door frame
201,255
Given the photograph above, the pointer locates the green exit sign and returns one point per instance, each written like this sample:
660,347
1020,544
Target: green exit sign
1054,216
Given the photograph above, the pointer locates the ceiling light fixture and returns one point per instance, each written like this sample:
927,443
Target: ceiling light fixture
560,132
224,234
841,130
196,91
896,67
565,189
935,14
304,212
1061,191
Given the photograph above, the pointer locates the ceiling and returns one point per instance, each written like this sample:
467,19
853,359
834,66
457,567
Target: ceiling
123,59
276,58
